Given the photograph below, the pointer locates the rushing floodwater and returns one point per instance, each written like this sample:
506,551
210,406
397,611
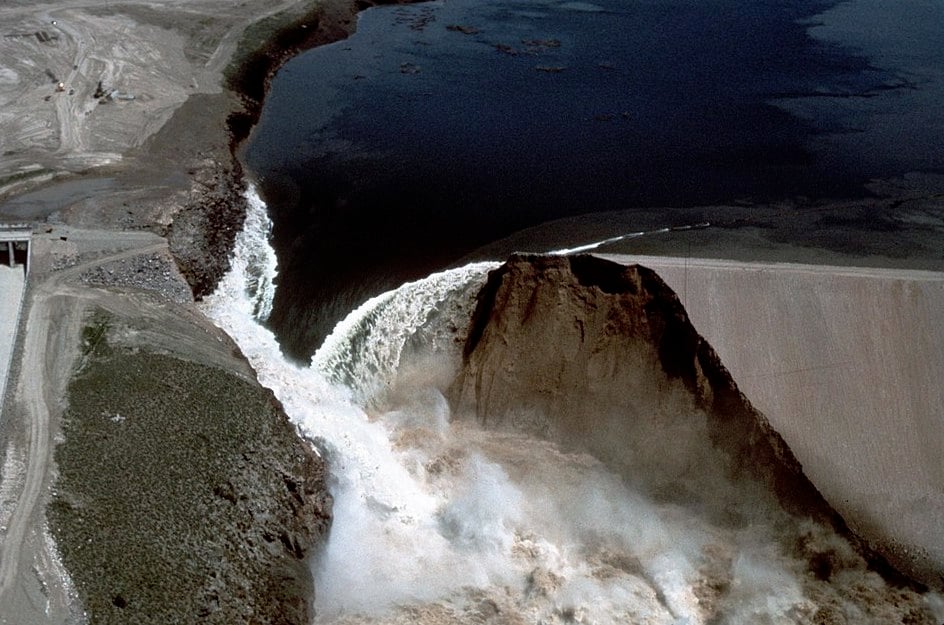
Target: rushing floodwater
441,127
439,521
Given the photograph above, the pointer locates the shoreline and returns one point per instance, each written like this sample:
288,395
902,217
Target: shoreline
182,183
196,201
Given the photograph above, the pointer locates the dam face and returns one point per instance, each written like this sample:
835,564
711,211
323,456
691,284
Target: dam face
846,365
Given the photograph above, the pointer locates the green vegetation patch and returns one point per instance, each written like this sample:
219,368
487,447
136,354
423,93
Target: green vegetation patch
184,495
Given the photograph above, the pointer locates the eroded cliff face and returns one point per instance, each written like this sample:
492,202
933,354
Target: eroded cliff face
602,357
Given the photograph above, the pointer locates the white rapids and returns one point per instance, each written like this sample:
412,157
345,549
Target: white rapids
438,521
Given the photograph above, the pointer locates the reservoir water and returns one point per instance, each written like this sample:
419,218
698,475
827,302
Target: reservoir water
440,127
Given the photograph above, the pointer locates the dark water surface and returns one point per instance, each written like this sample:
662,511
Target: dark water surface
440,127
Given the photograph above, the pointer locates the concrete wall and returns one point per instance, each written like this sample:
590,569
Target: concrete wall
12,283
848,365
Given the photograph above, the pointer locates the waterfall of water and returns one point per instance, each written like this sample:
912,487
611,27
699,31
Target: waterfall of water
439,521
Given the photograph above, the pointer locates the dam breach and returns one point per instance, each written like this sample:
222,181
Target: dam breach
846,364
557,448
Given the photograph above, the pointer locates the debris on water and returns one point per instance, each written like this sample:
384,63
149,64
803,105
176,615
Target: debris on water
465,30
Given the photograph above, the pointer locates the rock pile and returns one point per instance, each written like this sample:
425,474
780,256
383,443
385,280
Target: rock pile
149,272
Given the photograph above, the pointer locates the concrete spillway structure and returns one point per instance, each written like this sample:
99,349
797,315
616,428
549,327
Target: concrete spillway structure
12,284
11,238
847,364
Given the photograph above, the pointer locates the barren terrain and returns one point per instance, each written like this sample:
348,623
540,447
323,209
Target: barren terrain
82,84
86,91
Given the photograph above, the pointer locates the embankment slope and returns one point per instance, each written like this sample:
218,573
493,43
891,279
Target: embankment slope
846,365
601,357
143,456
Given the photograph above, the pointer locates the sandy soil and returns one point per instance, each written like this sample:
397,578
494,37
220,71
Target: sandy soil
33,587
846,364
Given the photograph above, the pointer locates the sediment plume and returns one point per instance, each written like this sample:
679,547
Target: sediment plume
542,496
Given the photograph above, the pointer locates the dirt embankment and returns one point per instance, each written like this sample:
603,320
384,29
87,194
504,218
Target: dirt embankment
628,378
845,363
625,363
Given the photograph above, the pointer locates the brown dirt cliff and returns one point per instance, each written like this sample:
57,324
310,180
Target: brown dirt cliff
602,357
